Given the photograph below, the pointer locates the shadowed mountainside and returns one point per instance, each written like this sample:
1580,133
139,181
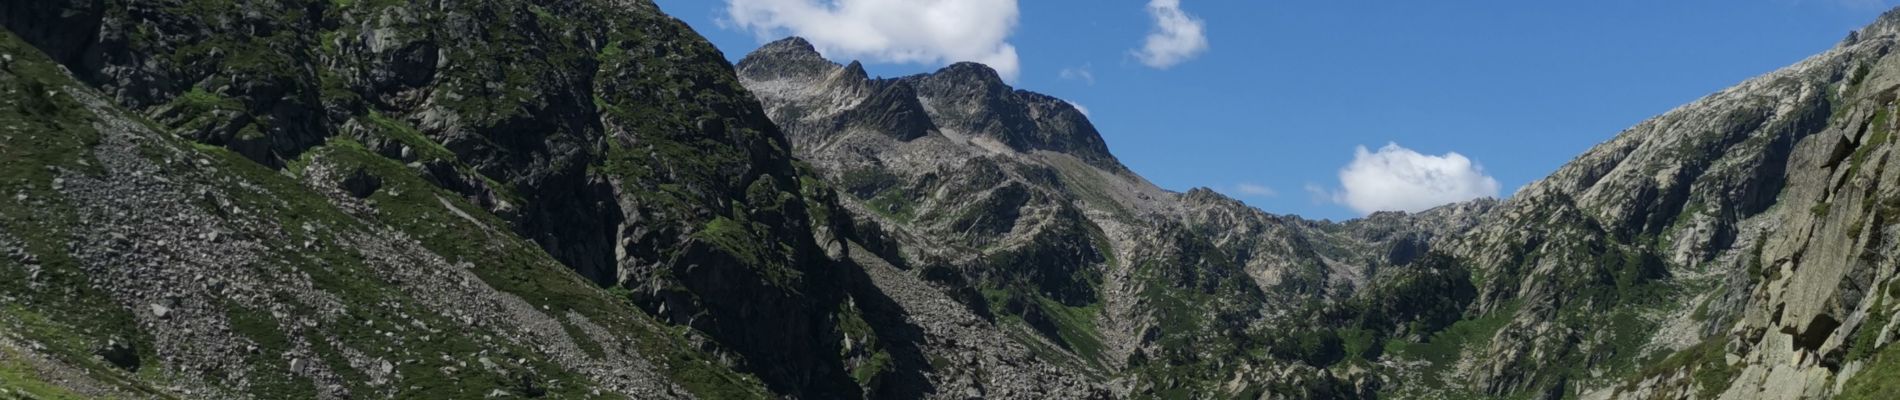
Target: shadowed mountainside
582,198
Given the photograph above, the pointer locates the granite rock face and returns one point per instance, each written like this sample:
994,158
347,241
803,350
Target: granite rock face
583,198
1731,248
1751,226
583,156
1008,202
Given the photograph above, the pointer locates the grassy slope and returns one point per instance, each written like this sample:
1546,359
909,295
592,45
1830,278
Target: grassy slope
42,130
52,130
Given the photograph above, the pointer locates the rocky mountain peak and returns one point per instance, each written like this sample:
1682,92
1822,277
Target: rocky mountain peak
355,207
965,98
893,110
970,73
789,45
973,99
856,69
791,57
967,81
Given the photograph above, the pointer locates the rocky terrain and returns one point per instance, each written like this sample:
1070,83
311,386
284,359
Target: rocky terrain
1008,201
584,199
341,199
1732,248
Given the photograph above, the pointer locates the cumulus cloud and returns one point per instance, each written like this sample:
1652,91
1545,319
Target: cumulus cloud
1399,179
1255,190
1318,193
1176,38
1079,107
1084,73
892,31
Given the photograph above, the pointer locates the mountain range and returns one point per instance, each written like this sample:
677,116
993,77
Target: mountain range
584,199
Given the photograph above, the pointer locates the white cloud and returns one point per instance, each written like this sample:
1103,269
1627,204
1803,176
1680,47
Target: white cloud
1318,193
892,31
1255,190
1079,107
1084,73
1176,38
1399,179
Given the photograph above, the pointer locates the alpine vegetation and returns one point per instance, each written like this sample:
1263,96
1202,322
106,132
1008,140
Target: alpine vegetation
342,199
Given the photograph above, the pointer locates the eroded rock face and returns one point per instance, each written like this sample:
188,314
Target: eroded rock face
304,198
1757,208
1008,201
603,132
1712,233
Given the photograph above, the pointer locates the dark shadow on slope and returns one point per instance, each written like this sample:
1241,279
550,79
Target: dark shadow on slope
905,379
783,331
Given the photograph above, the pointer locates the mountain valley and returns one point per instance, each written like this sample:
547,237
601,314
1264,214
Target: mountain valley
585,199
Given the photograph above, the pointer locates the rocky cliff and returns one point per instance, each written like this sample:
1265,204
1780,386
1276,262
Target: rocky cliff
1007,202
1736,247
292,199
1731,248
582,198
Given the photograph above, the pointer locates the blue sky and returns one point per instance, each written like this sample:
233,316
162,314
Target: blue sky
1285,93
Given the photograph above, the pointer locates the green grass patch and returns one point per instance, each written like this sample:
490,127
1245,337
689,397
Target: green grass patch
852,326
271,376
45,135
1878,380
1715,375
1880,137
894,204
867,374
20,381
1445,346
1866,338
1076,326
582,339
1361,344
515,266
366,4
738,239
402,132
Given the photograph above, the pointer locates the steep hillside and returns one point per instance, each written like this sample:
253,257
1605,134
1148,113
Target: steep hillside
1009,203
1731,248
143,265
583,199
304,198
1736,247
